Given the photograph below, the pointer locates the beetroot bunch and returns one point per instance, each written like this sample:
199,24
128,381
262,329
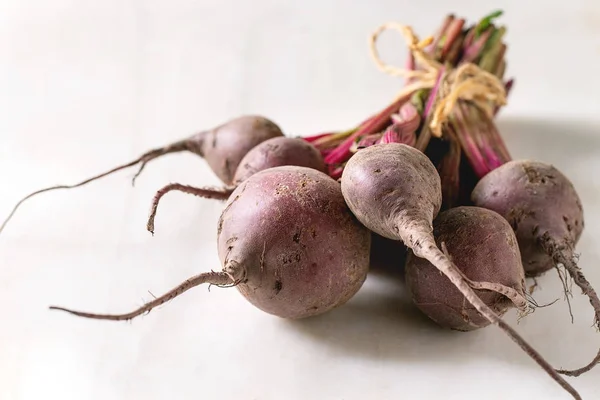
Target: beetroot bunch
430,171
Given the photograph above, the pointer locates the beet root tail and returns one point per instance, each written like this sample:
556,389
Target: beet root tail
430,251
207,193
516,297
143,159
182,145
213,278
564,255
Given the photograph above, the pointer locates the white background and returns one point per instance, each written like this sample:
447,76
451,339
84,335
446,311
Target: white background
86,85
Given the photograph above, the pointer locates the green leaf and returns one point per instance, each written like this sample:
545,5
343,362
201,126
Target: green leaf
494,41
487,21
418,100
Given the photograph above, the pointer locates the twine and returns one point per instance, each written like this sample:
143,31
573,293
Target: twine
468,82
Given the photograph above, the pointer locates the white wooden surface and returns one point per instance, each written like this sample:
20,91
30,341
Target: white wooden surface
85,85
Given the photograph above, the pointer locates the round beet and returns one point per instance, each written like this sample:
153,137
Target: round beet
301,250
546,214
225,146
541,205
277,152
484,248
288,242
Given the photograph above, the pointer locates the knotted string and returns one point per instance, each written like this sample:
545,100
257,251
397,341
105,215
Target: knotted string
467,82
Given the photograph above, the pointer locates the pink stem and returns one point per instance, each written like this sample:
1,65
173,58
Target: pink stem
473,51
452,33
469,39
311,139
465,138
433,93
440,33
336,173
373,125
480,140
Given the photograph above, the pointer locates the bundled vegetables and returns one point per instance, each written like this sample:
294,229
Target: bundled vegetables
430,173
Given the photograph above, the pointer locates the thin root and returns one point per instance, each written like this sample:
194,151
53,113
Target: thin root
219,194
427,249
563,254
215,278
517,298
145,158
564,277
535,304
139,172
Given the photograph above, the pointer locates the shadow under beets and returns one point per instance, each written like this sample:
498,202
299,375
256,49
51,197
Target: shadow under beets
381,322
387,257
